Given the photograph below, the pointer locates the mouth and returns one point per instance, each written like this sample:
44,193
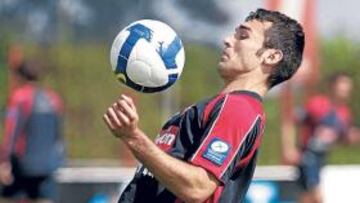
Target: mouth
224,56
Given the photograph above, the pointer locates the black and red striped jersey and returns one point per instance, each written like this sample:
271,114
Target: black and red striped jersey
221,134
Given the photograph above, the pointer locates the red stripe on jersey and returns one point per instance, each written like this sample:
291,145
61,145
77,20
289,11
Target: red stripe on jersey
247,159
203,143
234,122
209,107
215,197
242,141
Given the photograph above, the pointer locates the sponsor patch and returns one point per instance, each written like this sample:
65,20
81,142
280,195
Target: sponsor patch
166,138
216,151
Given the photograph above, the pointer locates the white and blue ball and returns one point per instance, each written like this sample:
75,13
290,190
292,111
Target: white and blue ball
147,56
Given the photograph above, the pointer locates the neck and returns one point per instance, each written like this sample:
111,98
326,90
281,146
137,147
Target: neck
246,82
337,101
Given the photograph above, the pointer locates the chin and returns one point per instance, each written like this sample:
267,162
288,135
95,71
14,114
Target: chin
222,72
221,68
221,65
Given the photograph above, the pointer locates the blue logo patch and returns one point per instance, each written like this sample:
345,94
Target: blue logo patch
217,151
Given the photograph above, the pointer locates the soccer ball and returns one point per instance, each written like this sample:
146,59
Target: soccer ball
147,56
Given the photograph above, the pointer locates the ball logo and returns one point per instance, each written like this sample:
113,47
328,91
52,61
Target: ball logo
219,146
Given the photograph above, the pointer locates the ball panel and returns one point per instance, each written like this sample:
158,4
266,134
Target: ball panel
180,61
116,46
154,74
161,32
140,72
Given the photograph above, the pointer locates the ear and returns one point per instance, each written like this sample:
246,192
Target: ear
272,56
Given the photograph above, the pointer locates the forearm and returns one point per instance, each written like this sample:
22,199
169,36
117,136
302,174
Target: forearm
14,122
289,150
7,144
188,182
288,136
353,136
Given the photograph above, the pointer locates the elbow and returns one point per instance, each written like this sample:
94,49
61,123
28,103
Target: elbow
201,191
197,195
194,199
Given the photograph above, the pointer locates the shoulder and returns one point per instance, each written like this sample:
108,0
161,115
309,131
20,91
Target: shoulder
233,100
236,107
55,99
22,94
245,103
345,113
318,100
318,105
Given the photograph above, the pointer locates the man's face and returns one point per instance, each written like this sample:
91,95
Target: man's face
242,48
342,88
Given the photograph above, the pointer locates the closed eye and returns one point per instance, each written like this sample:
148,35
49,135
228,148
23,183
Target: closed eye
242,32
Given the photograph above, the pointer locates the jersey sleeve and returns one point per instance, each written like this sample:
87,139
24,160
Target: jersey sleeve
323,113
230,130
317,108
14,121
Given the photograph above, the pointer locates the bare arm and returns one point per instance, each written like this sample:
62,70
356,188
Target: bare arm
13,124
289,151
353,136
188,182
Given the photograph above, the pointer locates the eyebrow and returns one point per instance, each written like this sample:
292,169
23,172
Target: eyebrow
245,28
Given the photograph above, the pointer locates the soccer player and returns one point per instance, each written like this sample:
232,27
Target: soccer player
324,120
32,148
207,152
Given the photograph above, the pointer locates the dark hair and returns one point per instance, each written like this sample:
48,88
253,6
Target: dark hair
27,71
334,77
285,34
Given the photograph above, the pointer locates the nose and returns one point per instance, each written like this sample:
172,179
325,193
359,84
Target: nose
227,41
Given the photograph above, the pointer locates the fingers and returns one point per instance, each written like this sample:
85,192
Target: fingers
128,100
111,119
121,115
108,122
125,108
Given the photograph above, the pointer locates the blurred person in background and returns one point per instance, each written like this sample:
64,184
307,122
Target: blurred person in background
208,151
324,120
32,147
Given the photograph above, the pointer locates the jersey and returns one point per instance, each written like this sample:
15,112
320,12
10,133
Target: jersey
33,130
319,110
221,134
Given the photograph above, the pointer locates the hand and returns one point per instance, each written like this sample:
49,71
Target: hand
353,136
291,156
122,118
6,177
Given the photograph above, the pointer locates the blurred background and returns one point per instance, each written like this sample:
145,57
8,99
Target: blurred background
71,39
